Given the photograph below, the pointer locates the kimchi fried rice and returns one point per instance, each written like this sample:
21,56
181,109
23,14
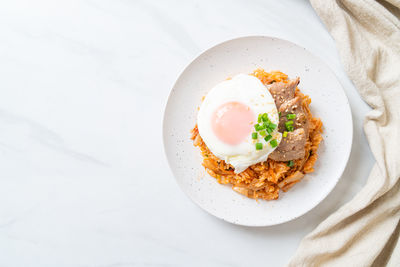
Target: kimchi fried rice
266,179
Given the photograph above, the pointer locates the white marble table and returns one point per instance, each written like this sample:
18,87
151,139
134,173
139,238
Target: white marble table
83,177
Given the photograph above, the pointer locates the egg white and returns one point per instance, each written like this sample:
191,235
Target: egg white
250,91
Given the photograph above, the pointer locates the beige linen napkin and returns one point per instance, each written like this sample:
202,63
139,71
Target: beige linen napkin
365,231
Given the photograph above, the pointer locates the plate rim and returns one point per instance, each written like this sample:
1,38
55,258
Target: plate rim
347,152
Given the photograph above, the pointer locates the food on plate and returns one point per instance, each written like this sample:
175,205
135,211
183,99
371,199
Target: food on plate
227,119
256,132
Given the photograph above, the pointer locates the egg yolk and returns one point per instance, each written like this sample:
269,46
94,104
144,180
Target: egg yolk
232,122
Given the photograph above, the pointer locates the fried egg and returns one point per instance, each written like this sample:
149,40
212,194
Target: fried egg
227,117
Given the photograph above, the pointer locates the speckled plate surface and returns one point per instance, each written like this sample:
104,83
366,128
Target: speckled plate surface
243,55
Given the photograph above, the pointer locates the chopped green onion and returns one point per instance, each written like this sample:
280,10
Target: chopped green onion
259,146
257,127
290,163
265,117
269,130
259,117
254,135
263,133
266,123
279,113
289,126
284,134
272,126
273,143
267,138
291,116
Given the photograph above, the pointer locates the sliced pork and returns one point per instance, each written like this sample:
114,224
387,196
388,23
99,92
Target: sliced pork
282,92
293,106
291,147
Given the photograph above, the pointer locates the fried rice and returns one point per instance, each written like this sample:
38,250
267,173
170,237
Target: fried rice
265,180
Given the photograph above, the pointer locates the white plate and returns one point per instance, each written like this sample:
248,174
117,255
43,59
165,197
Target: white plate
243,55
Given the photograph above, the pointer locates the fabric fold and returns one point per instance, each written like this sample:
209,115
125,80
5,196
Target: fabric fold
365,231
